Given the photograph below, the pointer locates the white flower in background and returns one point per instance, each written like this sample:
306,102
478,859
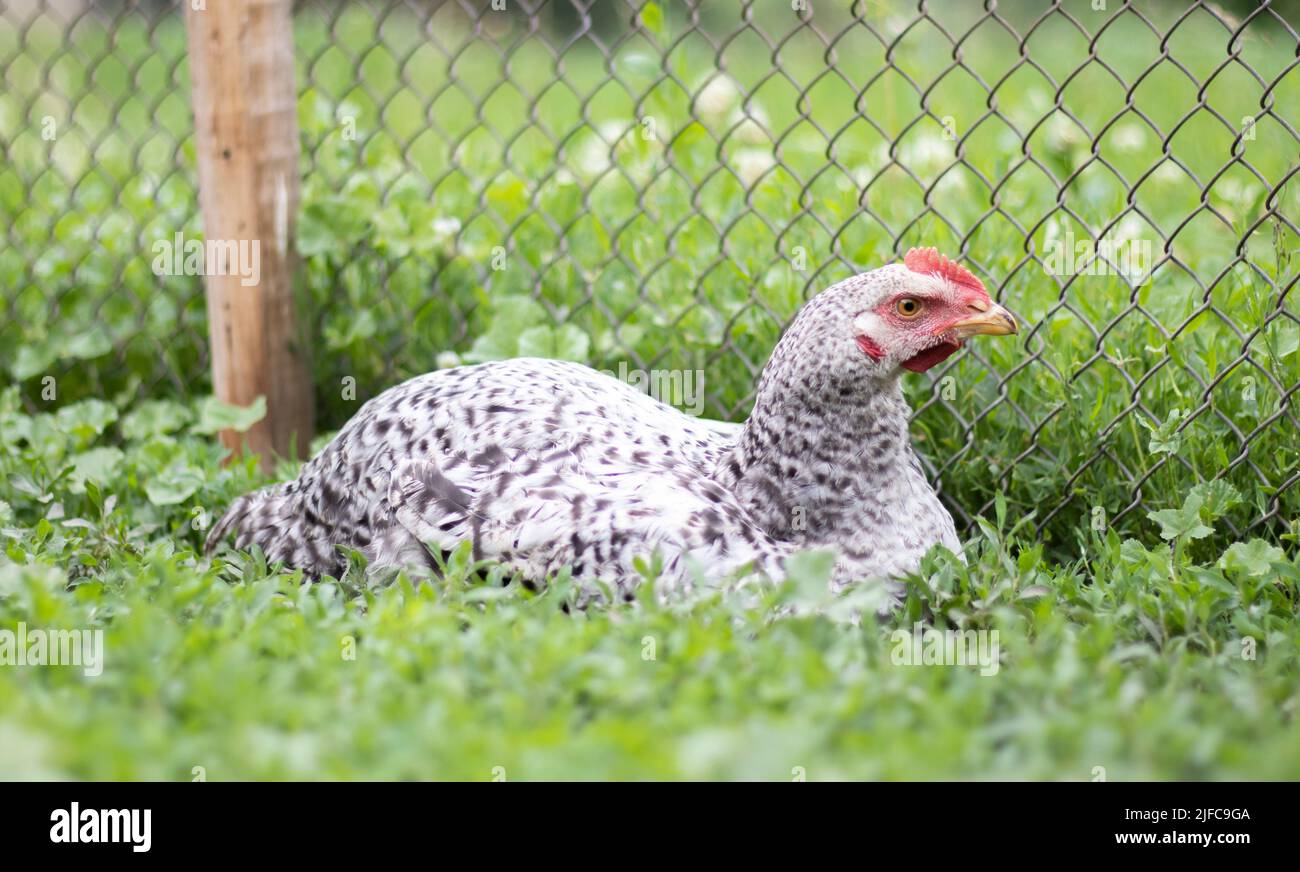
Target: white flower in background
894,25
1168,173
613,131
1129,137
1062,134
1250,194
594,156
1233,199
751,163
1010,141
448,359
444,234
927,153
1129,228
863,172
750,125
1233,191
445,229
717,98
953,182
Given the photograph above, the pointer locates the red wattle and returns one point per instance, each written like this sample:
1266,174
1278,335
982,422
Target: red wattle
932,355
870,348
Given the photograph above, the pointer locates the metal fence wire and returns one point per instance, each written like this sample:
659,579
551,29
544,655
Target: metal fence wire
658,187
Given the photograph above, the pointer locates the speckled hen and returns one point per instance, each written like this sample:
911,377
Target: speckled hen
543,464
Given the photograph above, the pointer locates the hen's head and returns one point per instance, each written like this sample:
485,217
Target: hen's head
911,315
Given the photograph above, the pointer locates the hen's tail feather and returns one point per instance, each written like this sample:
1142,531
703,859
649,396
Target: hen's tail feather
234,514
247,518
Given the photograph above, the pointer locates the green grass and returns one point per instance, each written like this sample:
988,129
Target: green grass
1121,584
1131,659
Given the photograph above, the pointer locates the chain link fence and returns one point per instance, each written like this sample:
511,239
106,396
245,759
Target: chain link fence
656,187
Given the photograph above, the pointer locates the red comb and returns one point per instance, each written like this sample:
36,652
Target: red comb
929,260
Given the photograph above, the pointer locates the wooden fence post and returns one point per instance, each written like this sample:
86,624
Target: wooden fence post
246,133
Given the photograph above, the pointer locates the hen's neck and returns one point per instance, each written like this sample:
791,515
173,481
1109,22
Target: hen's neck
816,462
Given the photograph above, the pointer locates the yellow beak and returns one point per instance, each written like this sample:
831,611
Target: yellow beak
990,320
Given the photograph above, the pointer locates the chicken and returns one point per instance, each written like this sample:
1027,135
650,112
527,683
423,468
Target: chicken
545,464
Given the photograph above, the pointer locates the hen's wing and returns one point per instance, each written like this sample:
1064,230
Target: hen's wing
540,463
591,507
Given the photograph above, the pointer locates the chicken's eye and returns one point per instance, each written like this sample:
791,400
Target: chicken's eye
908,307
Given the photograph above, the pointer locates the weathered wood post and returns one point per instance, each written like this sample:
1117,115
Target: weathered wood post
246,133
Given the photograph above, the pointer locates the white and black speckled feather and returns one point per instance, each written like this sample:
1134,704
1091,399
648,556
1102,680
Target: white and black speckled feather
545,464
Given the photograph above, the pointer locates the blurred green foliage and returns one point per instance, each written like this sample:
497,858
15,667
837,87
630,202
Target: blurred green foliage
654,200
